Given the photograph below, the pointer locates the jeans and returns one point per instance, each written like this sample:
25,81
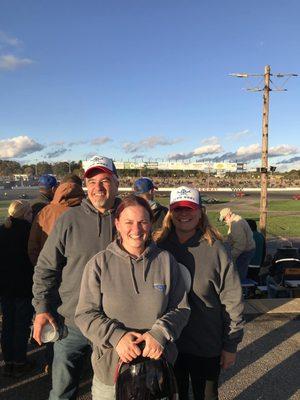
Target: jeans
17,316
204,374
242,263
67,365
100,391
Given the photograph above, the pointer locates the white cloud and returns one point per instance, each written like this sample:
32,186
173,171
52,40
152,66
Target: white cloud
210,140
181,156
248,150
9,62
243,154
283,150
203,151
101,140
7,40
149,143
18,146
209,149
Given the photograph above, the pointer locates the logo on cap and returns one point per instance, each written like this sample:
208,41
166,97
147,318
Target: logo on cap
101,163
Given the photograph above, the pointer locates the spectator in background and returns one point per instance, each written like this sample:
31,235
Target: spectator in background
67,195
72,178
144,187
16,288
47,187
260,252
240,240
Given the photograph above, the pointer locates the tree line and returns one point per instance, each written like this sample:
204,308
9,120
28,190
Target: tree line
62,168
59,169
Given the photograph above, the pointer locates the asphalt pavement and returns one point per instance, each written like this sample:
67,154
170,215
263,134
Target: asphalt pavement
267,368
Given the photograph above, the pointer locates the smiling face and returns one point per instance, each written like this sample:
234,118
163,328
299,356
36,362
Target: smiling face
102,189
134,228
185,220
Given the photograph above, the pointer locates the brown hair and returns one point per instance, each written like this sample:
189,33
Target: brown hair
210,233
72,178
133,200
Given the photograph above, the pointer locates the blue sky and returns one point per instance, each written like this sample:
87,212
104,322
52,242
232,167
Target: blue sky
146,79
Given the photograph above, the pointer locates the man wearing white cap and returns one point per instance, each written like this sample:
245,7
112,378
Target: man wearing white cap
240,239
78,235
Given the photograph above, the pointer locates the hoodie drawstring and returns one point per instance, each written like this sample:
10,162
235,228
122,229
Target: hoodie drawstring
133,280
99,220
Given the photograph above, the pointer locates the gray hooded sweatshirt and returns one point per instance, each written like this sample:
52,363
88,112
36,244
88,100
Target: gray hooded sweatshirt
120,293
216,321
77,236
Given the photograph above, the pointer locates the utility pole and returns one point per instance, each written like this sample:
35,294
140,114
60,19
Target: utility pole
266,77
264,154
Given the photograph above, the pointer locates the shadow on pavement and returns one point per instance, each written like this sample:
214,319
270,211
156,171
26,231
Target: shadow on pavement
276,383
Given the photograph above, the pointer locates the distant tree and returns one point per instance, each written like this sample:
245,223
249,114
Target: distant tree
28,170
8,168
61,168
44,168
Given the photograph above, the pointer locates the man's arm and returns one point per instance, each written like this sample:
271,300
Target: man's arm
237,239
46,278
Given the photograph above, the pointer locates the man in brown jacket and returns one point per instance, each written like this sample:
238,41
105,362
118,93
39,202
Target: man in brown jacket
67,195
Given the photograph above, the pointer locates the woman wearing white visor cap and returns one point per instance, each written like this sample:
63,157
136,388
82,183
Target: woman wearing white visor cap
209,341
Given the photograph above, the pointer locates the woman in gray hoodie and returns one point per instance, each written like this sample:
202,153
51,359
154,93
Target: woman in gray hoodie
131,293
210,339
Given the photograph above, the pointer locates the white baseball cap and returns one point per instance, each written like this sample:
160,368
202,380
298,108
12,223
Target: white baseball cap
100,163
223,213
185,197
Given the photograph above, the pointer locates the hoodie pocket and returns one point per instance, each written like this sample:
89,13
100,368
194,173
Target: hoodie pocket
105,364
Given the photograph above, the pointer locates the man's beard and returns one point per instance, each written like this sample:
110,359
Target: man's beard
100,203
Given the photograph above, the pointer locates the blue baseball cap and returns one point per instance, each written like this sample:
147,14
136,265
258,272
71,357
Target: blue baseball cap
47,181
144,185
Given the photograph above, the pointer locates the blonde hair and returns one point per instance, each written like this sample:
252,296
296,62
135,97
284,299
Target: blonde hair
210,233
17,209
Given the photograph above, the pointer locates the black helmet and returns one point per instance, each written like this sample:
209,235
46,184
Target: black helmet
146,379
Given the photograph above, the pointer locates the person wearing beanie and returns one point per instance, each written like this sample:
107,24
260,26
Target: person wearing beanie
16,288
145,188
215,328
47,187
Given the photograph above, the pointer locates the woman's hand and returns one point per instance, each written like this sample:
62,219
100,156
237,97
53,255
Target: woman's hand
227,359
152,348
127,347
